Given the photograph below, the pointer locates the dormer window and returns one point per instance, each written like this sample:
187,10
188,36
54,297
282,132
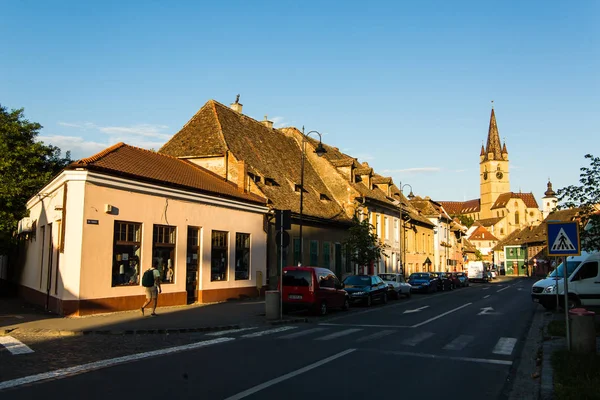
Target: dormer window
324,197
357,178
253,177
270,182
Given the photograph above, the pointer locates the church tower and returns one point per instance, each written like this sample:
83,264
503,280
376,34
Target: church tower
549,201
493,170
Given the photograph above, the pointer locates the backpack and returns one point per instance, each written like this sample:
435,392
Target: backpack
148,278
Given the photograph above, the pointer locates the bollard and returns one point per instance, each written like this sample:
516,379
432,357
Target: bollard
272,304
583,331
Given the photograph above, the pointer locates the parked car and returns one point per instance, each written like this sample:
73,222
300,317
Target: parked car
456,283
313,288
422,282
444,282
366,289
396,284
463,278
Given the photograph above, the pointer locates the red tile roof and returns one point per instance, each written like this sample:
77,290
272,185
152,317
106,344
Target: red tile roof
145,165
461,207
504,198
482,234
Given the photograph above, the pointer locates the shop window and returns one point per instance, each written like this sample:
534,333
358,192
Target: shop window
296,251
326,255
242,256
218,256
163,252
314,252
127,244
192,260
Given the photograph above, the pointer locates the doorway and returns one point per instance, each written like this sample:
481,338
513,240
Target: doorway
192,264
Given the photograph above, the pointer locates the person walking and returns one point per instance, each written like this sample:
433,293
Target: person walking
151,282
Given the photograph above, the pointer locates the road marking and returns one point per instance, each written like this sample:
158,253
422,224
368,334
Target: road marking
368,326
375,335
339,334
485,288
292,374
498,291
418,338
269,331
229,331
441,315
302,333
486,296
80,369
437,357
504,346
14,345
415,310
459,343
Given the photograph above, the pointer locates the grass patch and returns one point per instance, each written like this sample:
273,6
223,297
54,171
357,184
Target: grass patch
576,376
557,328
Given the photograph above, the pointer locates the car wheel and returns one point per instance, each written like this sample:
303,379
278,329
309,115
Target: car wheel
323,308
573,302
384,299
369,301
346,304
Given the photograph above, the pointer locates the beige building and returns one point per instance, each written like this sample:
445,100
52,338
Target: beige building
105,219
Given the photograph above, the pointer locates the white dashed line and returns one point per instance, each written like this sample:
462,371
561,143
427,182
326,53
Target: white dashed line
14,345
505,346
270,331
415,340
339,334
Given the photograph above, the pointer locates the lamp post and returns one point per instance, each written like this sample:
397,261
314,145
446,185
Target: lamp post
319,151
402,234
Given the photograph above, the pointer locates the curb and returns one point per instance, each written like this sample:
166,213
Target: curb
547,383
54,332
289,321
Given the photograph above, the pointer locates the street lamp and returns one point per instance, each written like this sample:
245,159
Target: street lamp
402,234
319,151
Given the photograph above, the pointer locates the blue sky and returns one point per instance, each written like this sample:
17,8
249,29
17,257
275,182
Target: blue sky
404,86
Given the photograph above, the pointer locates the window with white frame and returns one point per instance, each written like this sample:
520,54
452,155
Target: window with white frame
219,256
242,256
163,251
127,243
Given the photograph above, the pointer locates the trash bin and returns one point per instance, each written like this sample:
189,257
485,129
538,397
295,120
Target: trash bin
583,330
272,304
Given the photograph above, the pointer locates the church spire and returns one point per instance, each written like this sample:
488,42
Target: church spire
493,140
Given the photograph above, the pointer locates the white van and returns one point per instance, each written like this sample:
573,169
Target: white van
477,271
584,283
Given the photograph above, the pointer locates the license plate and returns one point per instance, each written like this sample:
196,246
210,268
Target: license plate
295,297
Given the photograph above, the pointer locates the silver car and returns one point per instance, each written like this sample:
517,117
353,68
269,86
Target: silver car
397,285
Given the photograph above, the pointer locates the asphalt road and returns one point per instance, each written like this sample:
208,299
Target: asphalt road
459,344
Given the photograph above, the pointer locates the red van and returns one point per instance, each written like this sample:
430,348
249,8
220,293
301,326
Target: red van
313,288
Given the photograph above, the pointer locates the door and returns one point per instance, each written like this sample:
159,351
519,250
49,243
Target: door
584,284
192,263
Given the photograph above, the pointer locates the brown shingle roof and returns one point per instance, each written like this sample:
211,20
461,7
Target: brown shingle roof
140,164
461,207
272,153
482,234
504,198
490,221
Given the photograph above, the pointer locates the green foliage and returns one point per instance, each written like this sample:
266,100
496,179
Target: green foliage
25,167
576,376
587,198
478,255
363,244
465,220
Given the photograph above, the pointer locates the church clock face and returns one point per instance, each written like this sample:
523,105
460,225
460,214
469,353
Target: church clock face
499,174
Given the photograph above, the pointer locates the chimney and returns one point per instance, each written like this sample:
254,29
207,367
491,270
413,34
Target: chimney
242,174
266,122
237,106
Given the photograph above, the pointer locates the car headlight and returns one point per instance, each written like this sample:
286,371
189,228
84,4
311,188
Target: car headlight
550,289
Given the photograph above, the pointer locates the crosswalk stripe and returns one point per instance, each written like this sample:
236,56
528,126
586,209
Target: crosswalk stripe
302,333
459,343
415,340
14,345
339,334
376,335
230,331
269,331
504,346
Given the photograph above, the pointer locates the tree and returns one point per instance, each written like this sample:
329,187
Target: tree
465,220
586,197
363,244
25,167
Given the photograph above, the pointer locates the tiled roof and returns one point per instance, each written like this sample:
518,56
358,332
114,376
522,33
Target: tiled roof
461,207
140,164
490,221
272,153
504,198
482,234
468,247
381,179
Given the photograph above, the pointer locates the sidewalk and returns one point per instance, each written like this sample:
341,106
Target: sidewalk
14,315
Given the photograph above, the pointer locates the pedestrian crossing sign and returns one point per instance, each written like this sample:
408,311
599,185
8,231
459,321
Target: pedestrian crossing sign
563,239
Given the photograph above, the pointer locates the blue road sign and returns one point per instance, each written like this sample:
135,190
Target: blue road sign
563,239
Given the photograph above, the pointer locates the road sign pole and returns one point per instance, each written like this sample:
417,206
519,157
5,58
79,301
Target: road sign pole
566,307
556,282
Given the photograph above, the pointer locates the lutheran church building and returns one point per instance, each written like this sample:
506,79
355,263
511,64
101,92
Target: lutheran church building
498,211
